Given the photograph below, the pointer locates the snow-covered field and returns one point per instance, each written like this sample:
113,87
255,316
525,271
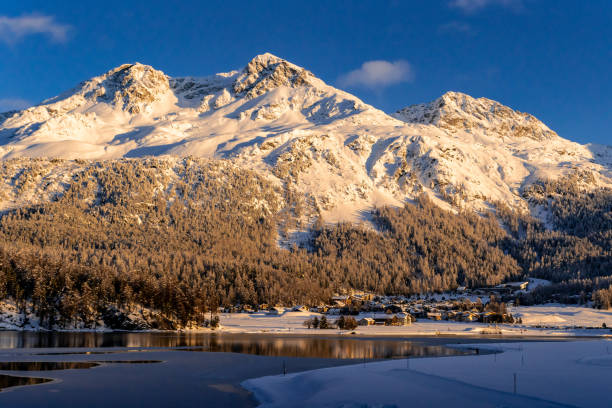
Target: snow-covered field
562,316
556,320
546,320
548,374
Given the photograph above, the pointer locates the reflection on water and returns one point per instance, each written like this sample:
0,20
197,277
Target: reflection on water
14,339
339,348
130,362
91,353
268,345
44,365
7,381
63,365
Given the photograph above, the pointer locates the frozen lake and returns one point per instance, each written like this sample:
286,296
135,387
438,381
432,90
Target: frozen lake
238,370
177,370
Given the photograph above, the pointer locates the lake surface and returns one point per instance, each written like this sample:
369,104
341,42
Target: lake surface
177,370
318,346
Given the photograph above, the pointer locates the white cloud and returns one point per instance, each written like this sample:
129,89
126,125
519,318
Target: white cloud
13,29
8,104
378,74
472,6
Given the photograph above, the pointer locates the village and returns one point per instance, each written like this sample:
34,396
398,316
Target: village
346,311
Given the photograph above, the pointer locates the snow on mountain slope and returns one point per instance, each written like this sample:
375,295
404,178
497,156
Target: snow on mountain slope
338,155
502,150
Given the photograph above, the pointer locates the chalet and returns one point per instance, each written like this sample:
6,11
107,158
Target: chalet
381,318
300,308
333,311
404,319
445,306
434,315
450,315
393,309
366,321
489,317
376,307
276,310
518,285
417,311
469,317
361,295
340,299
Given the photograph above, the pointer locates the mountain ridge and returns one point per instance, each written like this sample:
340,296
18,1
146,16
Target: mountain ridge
279,119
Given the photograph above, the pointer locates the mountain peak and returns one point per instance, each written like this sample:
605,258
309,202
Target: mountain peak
131,87
266,72
266,59
455,111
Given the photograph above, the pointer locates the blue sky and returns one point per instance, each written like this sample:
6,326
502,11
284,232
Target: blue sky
549,58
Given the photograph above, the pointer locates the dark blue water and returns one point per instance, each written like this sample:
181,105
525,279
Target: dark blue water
172,370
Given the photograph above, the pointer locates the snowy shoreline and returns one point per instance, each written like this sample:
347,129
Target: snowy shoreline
534,374
543,321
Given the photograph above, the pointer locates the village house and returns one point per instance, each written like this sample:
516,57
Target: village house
276,310
518,285
403,319
333,311
434,315
469,317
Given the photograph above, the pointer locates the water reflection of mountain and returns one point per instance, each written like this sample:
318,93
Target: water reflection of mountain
329,347
7,381
45,365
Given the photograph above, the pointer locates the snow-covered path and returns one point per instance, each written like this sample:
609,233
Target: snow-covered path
548,374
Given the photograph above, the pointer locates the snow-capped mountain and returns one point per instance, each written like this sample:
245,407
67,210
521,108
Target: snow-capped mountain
339,153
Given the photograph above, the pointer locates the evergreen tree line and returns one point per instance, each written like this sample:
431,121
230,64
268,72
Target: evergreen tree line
574,250
416,249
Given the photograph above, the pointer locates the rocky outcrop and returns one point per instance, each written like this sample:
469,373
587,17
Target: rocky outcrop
132,87
266,72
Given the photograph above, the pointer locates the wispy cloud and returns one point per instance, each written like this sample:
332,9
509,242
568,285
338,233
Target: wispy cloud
13,29
8,104
472,6
378,74
455,27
